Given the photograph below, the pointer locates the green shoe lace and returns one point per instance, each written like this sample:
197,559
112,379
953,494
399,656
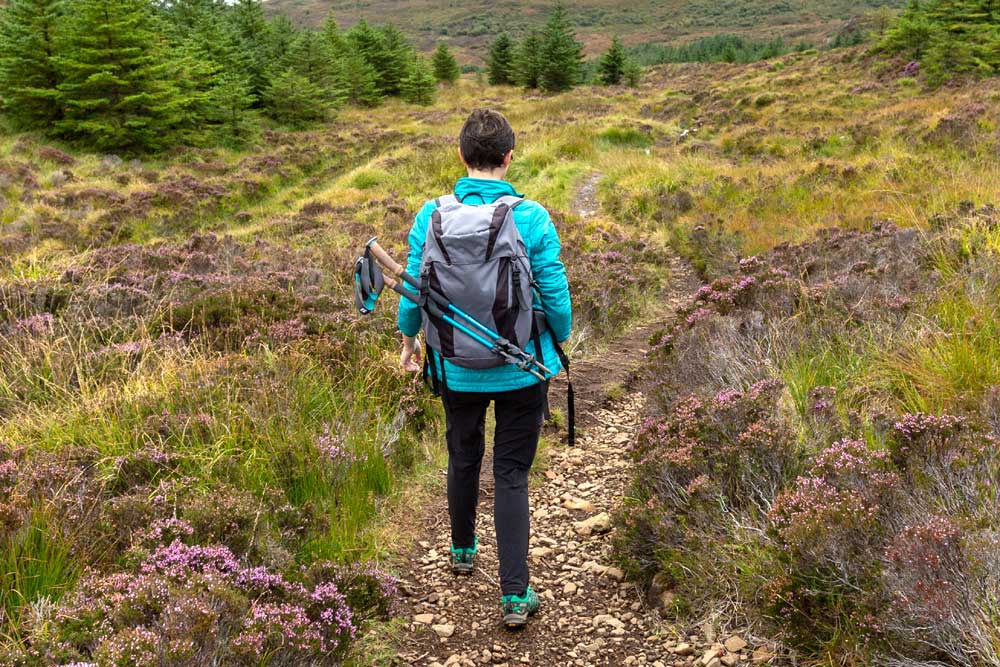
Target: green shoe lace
463,559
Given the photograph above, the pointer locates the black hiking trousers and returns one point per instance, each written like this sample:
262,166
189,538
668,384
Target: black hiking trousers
519,416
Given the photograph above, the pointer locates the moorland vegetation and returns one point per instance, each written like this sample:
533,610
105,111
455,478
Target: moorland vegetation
467,27
198,434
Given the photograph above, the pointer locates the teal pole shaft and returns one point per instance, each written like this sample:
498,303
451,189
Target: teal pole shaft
410,280
509,358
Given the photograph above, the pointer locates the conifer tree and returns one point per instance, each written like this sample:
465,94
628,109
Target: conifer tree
611,68
362,80
562,54
366,40
294,100
386,50
282,35
230,106
501,61
194,78
419,85
252,33
186,15
396,61
949,37
333,36
29,78
633,73
210,71
202,26
117,80
445,66
358,74
312,57
528,64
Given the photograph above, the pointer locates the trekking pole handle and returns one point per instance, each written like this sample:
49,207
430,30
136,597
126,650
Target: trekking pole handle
394,267
384,259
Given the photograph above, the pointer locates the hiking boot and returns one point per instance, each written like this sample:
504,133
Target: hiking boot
517,608
463,560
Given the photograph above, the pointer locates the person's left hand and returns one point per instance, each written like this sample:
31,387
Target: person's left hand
410,357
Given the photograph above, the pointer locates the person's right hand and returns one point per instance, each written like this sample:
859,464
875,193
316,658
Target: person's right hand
410,357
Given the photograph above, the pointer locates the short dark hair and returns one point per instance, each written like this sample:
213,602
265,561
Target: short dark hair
485,139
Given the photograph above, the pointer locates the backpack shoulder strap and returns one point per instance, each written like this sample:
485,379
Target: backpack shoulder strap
512,201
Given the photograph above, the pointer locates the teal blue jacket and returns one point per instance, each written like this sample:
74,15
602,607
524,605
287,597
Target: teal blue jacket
542,242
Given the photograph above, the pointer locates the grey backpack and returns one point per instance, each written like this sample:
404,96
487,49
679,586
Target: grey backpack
476,258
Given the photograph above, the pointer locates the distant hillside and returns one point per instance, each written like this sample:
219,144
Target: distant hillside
470,25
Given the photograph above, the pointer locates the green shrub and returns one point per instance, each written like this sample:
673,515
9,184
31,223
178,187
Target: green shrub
627,137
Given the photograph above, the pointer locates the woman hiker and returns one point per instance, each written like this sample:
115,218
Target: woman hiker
525,269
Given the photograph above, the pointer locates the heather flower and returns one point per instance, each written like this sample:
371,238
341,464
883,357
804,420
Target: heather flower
135,647
130,348
36,325
188,603
751,265
727,396
853,461
900,303
262,581
743,284
333,446
929,438
179,561
335,613
822,400
163,531
289,628
371,593
8,477
832,514
925,567
917,425
287,332
697,316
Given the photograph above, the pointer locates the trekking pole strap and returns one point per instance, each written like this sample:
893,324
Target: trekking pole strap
570,398
541,323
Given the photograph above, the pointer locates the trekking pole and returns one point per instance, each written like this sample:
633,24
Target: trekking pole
436,311
498,343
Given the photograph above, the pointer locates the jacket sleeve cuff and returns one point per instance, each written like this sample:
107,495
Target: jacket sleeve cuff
561,327
410,321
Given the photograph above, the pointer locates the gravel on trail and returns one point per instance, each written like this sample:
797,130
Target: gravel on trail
590,615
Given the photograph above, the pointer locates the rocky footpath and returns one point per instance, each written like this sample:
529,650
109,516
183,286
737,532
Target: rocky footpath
590,615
